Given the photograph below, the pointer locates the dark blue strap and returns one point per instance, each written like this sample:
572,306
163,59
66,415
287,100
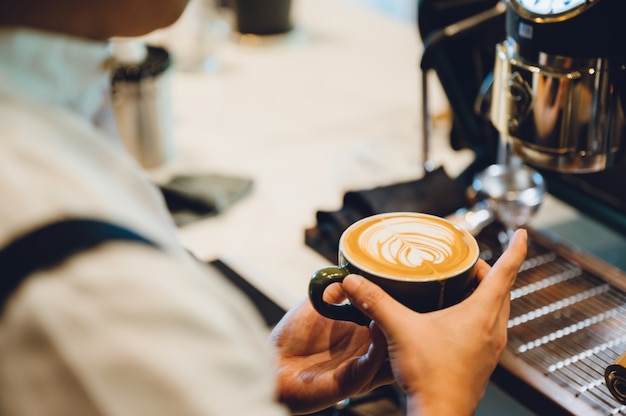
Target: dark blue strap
49,245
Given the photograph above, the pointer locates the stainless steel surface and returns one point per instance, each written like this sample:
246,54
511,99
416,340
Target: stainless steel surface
567,324
561,114
475,218
515,193
143,117
427,164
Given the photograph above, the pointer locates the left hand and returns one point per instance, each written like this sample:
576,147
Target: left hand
322,361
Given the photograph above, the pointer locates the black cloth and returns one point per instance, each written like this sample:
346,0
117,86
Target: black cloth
50,244
270,310
191,198
435,193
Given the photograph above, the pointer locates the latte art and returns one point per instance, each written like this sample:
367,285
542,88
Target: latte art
405,245
402,241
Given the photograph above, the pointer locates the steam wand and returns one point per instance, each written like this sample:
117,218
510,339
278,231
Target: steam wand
427,164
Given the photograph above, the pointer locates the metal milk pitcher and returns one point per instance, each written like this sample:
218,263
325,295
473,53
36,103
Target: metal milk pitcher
141,101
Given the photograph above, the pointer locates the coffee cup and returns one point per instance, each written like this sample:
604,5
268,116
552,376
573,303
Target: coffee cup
423,261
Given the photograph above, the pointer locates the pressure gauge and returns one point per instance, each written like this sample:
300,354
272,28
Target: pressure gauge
551,10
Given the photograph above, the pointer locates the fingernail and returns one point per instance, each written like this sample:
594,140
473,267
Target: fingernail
351,283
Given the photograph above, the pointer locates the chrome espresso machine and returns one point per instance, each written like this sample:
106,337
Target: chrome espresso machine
541,84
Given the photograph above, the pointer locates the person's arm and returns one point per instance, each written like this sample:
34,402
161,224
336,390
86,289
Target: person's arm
443,360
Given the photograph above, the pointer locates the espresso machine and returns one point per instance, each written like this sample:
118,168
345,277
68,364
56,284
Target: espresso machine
541,85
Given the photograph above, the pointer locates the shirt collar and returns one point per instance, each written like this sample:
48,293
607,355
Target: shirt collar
53,68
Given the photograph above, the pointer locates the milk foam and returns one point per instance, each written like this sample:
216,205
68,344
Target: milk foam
409,246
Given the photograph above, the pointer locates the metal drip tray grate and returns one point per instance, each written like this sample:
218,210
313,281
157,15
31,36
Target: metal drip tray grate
567,324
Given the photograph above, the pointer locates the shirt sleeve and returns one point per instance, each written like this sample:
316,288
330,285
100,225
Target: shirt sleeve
127,330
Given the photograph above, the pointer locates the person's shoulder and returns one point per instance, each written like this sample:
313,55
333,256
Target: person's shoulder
150,315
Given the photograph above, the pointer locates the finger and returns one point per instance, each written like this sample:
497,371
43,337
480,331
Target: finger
512,259
384,374
497,282
379,342
482,268
334,294
376,354
371,300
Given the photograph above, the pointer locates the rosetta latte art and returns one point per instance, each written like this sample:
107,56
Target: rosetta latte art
405,242
417,247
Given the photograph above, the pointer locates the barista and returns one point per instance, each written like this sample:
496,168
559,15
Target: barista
127,329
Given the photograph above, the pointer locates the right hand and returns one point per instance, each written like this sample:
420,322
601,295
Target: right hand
443,359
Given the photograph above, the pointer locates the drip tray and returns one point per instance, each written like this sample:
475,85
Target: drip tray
567,324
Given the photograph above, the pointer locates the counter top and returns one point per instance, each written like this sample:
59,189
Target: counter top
330,107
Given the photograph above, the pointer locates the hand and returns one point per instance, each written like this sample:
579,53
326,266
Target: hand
322,361
443,359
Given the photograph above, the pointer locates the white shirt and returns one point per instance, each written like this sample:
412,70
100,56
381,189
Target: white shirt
123,329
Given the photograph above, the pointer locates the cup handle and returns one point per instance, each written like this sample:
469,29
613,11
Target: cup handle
320,280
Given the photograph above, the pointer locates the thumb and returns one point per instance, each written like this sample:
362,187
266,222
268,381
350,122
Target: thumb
371,300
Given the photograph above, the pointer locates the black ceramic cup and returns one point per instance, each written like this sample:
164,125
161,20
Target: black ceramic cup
423,261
